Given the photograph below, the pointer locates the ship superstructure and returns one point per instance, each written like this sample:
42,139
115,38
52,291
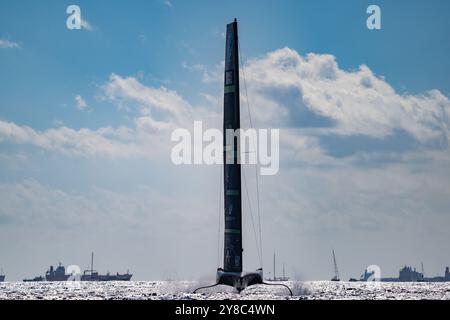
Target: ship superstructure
58,274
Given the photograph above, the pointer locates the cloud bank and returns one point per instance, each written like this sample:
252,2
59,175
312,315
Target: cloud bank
355,102
373,199
285,89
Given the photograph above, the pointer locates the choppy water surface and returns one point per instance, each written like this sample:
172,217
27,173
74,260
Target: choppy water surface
175,290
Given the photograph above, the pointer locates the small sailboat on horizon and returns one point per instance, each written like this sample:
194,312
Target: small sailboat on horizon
336,270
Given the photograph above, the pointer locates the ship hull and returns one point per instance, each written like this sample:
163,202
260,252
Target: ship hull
57,278
35,279
100,277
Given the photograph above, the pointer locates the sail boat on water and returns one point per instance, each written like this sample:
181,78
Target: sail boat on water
232,273
336,271
275,278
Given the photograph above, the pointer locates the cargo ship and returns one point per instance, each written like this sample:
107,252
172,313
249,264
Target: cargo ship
59,274
408,274
2,276
92,275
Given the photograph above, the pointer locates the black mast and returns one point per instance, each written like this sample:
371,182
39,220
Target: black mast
231,274
92,262
232,169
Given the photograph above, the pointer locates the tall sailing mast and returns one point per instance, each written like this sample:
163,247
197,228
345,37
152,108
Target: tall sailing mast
231,274
423,272
232,169
92,262
336,271
274,264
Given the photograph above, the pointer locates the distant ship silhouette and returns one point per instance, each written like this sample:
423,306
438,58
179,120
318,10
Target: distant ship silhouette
59,274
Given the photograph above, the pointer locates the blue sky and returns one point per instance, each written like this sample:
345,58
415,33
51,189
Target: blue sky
138,57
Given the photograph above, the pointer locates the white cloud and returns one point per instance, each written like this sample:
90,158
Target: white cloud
159,111
7,44
86,25
84,142
359,102
298,147
161,103
81,103
209,75
279,84
53,206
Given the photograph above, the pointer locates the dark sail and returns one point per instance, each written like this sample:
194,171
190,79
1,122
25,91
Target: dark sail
231,274
232,171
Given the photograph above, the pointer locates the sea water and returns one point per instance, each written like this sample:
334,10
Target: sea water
176,290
